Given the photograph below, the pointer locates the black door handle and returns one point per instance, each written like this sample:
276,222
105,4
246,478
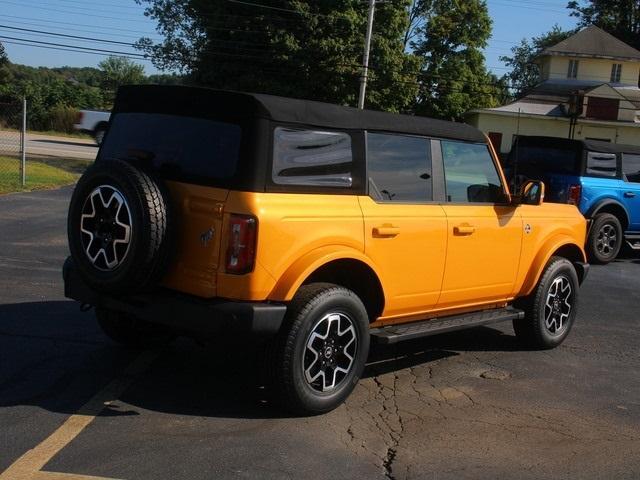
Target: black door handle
629,194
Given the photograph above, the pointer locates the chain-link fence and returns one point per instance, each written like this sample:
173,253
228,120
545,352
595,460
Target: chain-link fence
12,143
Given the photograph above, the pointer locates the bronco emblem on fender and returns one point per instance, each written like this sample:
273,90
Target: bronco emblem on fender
206,237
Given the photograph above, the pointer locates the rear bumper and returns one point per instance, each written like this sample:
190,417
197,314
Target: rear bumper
183,312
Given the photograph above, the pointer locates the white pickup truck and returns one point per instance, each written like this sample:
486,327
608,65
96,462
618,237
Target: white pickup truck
93,122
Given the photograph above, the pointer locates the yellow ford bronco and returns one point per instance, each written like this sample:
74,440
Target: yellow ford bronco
317,227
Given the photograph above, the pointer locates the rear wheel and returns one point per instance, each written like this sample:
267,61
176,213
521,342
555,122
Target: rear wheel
319,356
130,331
550,310
605,238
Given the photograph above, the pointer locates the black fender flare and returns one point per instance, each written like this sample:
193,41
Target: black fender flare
606,202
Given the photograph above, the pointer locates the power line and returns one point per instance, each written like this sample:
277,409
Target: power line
11,42
77,37
88,49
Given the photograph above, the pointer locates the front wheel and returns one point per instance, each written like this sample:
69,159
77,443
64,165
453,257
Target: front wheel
604,239
319,356
551,308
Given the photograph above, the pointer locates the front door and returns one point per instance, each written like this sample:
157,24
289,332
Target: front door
484,234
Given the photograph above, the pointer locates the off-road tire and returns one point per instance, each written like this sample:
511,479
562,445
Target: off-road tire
151,240
132,332
597,251
312,304
532,330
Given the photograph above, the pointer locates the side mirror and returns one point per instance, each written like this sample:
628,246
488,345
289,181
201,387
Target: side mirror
531,193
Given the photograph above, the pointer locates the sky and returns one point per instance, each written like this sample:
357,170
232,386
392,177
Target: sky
124,21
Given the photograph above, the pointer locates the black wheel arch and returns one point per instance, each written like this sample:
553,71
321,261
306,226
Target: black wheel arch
612,206
356,276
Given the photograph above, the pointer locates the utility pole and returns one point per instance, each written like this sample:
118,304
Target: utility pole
23,144
365,57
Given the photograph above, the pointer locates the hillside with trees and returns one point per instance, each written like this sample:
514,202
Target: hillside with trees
54,95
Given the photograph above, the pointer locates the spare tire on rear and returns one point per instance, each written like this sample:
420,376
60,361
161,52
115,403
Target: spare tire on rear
119,227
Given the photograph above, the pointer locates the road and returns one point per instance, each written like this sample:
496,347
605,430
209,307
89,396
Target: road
46,145
466,405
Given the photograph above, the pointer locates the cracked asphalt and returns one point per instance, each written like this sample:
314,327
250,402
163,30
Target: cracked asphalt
464,405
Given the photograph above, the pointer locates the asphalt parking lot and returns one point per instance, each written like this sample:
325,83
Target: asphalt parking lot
462,405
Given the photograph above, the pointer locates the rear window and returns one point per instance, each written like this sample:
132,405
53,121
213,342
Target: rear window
315,158
534,161
602,164
177,146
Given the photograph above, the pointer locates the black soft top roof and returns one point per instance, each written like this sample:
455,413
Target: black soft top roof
592,145
196,101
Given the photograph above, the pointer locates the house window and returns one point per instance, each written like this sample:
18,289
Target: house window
616,72
573,69
603,108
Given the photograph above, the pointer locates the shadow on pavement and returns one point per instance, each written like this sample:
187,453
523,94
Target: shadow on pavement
55,357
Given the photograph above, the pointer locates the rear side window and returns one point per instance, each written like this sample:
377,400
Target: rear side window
631,167
312,158
175,145
470,174
602,164
399,168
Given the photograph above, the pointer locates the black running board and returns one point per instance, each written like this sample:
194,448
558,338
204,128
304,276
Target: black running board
633,240
434,326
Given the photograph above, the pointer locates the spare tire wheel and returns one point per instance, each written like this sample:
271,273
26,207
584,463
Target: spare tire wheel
119,227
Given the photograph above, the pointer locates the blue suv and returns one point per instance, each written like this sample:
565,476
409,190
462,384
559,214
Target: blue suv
602,179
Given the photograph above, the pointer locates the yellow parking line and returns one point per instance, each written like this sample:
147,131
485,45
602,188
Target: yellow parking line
29,465
65,476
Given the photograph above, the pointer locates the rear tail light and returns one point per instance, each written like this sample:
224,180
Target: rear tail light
79,117
575,191
241,250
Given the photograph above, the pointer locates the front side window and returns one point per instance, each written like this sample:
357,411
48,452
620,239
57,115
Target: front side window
601,164
470,174
399,168
573,69
631,167
312,158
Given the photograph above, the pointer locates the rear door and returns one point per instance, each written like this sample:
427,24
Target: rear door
405,231
199,159
484,234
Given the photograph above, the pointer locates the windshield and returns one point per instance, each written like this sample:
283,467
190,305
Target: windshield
178,147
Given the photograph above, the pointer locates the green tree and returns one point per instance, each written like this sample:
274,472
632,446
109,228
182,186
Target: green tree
117,71
4,65
448,36
621,18
524,73
290,47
